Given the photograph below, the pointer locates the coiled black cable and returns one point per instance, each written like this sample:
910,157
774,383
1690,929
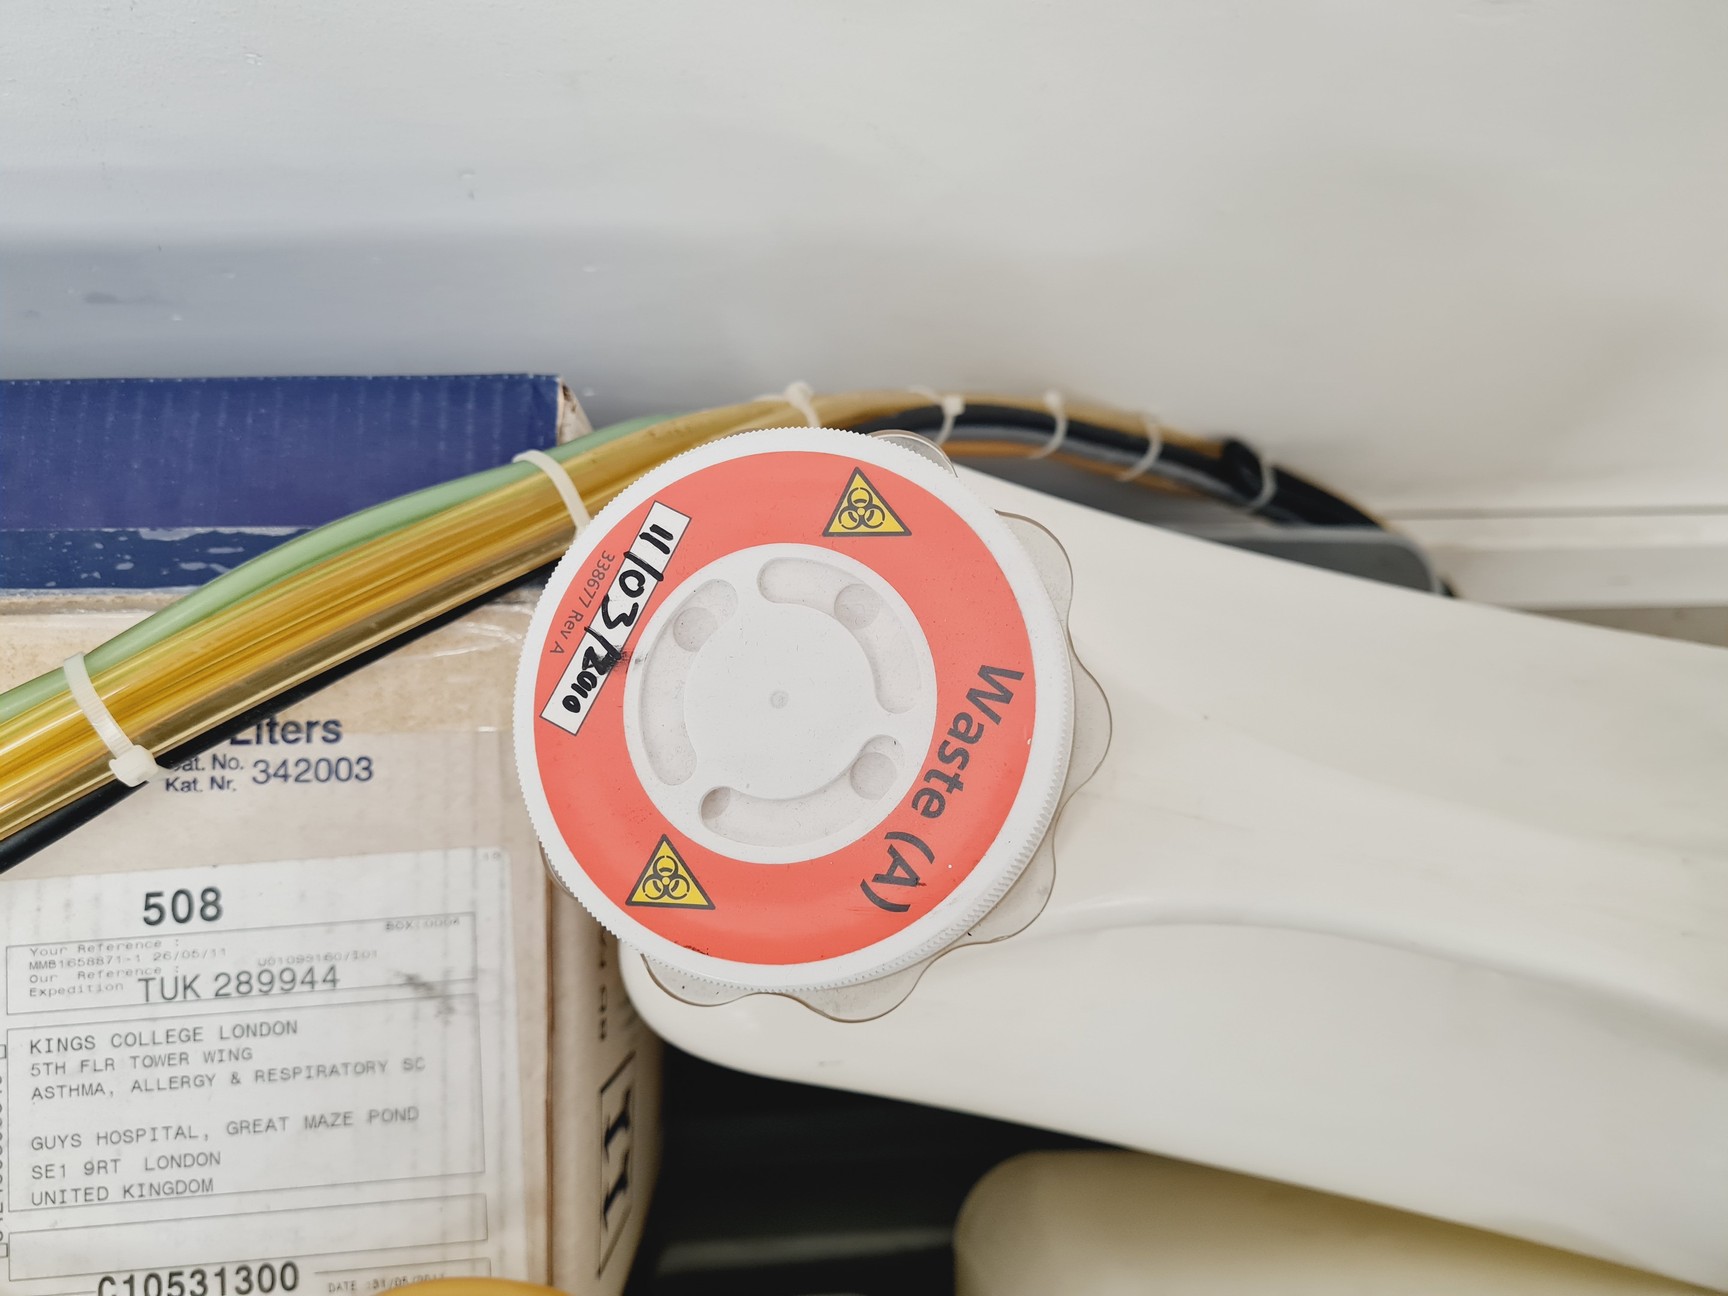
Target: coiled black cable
1235,475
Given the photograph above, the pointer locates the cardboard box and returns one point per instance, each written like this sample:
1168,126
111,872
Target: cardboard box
312,1007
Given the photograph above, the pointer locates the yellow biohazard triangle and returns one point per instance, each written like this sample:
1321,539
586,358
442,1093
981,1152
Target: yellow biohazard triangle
668,883
863,512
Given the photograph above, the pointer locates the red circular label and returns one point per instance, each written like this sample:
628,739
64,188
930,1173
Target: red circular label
930,838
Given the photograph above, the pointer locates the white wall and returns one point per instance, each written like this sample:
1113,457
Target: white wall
1456,256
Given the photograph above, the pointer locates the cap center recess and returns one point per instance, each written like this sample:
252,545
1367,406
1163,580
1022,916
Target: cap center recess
781,700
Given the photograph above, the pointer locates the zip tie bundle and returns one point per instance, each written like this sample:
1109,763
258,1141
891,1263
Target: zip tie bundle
1154,448
1059,412
953,405
799,396
566,488
318,601
132,764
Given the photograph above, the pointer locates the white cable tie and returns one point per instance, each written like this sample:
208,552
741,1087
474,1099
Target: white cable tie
953,405
1154,447
799,395
1059,412
132,763
1268,484
566,488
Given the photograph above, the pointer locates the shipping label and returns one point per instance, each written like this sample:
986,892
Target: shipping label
285,1077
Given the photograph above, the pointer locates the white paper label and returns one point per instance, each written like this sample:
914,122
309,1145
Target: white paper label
297,1076
606,635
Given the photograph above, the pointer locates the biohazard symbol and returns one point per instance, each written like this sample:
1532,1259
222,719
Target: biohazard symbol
862,511
668,883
